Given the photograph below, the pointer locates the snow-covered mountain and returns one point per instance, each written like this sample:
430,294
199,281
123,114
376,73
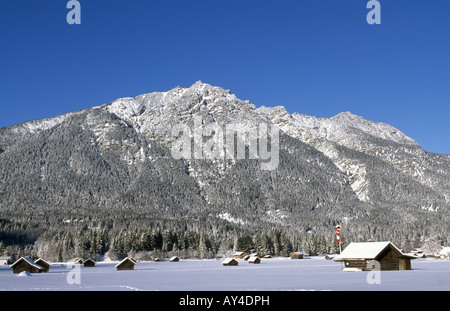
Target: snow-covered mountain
343,169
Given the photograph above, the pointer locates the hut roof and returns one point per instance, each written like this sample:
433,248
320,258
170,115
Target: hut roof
367,250
254,259
89,260
28,260
229,260
41,261
125,260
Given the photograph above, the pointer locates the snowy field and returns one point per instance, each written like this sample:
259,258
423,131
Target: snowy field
275,274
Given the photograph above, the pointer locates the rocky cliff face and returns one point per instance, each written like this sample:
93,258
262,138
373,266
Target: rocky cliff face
343,169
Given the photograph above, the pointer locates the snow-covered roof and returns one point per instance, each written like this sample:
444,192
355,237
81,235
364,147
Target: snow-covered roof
42,260
228,260
89,259
253,258
29,261
365,250
125,260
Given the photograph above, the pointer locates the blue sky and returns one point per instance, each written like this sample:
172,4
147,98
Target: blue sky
315,57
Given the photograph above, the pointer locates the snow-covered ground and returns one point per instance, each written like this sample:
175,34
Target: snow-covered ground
274,274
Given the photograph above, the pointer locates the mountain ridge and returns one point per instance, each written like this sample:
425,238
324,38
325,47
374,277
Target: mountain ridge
117,157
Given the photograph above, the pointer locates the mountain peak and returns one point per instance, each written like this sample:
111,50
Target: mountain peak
347,115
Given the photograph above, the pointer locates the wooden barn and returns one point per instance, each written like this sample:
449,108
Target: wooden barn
174,259
256,255
26,264
357,254
89,263
78,261
254,259
230,262
296,255
126,264
239,255
41,262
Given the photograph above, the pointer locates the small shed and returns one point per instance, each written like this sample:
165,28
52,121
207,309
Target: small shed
296,255
357,254
254,259
230,262
89,263
239,255
126,264
156,259
78,261
174,259
256,255
246,257
26,264
44,264
4,260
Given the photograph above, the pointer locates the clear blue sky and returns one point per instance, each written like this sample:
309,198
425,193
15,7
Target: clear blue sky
316,57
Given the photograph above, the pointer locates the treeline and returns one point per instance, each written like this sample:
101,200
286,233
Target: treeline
145,244
101,234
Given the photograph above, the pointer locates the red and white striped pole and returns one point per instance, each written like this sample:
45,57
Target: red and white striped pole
338,237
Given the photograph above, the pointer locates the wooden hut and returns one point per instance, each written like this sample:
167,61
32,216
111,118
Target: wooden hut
239,255
246,257
26,264
230,262
41,262
256,255
296,255
357,254
126,264
89,263
174,259
78,261
254,259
